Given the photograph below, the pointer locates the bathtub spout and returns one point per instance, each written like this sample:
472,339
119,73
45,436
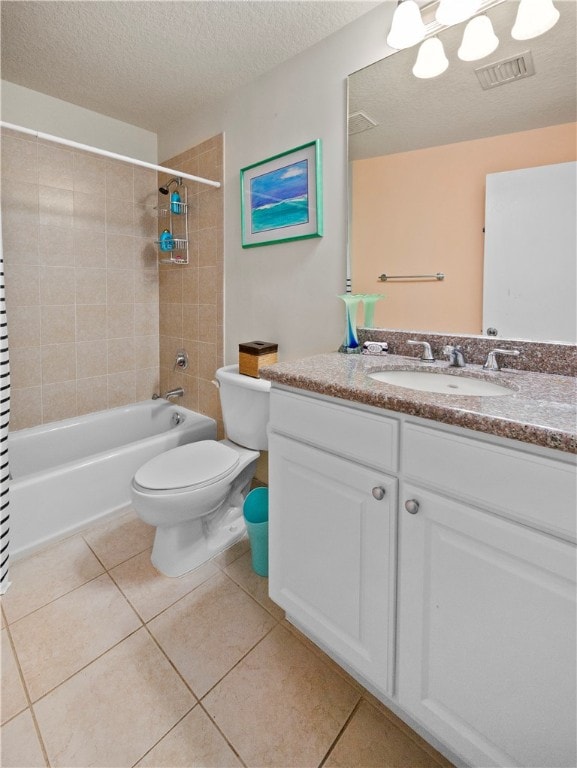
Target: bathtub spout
178,392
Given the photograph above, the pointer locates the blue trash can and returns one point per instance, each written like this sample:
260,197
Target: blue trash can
255,510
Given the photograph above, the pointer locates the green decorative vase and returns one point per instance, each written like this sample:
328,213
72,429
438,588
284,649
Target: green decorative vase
369,301
351,342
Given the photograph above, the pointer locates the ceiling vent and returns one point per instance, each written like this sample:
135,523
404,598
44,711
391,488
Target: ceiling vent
506,71
359,122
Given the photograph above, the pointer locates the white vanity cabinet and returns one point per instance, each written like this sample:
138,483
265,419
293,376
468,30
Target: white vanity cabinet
332,524
454,598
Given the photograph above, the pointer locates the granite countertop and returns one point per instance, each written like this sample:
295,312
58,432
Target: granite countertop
541,408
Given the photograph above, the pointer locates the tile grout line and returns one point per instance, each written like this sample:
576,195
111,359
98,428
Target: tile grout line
222,733
28,699
164,735
340,733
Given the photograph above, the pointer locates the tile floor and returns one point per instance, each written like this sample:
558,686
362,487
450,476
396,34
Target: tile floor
107,663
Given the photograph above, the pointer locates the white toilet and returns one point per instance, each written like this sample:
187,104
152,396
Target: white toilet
194,494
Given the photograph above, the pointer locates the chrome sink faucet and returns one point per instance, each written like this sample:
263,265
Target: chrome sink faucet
427,354
492,364
455,355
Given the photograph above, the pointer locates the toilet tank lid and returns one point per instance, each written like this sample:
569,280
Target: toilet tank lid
230,373
192,465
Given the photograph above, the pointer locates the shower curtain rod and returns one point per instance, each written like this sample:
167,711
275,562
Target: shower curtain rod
106,153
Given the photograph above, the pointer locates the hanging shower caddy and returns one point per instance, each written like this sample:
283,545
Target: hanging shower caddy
174,217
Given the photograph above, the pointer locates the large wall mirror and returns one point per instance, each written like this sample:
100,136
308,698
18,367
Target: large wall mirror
419,175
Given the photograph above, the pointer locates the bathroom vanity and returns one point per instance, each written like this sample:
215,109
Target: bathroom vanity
427,543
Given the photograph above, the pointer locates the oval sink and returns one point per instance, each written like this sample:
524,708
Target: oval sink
442,383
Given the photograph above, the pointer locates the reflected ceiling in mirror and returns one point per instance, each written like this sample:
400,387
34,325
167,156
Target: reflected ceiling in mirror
452,110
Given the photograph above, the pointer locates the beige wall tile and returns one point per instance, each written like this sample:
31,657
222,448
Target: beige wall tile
121,355
58,363
92,394
190,322
89,212
58,401
24,327
171,320
147,383
120,181
89,174
20,203
119,217
89,250
146,221
170,286
207,322
190,290
56,207
57,285
145,319
208,284
19,159
120,320
208,400
90,719
22,285
55,166
20,241
145,186
25,407
20,745
145,254
146,288
91,286
91,322
55,246
58,324
207,360
121,389
24,368
120,286
146,352
91,358
119,251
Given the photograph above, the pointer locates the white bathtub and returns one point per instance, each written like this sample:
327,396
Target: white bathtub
67,474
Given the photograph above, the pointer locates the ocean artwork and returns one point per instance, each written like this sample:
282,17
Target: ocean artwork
280,198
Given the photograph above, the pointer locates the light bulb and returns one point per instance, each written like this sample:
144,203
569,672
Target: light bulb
534,17
431,60
407,28
479,39
454,11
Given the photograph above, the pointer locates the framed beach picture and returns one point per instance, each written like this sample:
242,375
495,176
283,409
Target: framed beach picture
281,198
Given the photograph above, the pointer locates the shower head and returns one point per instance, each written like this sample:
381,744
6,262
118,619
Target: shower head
175,180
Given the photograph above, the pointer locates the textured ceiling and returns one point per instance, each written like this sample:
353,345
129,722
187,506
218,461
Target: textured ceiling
414,114
153,61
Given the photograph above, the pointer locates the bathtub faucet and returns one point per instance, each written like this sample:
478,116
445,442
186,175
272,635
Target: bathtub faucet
178,392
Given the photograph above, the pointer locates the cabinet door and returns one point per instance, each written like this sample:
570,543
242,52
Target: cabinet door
332,553
487,626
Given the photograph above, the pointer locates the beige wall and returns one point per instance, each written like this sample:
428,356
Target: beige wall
423,211
191,296
81,280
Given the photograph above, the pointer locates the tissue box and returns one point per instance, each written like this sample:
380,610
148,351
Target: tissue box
254,355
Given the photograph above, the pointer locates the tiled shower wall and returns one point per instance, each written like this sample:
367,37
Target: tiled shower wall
191,296
81,280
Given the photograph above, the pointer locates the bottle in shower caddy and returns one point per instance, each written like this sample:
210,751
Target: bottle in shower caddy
166,241
175,205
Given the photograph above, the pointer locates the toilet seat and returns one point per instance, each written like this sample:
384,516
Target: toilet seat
190,466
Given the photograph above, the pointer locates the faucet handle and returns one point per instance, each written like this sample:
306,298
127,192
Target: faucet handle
492,364
455,355
427,354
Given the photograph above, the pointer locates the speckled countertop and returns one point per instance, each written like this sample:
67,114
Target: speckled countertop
541,408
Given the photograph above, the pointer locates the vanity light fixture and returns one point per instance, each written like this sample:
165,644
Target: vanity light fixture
534,17
407,27
454,11
479,39
431,59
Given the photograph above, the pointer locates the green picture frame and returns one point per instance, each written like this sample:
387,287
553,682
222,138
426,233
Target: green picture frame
281,197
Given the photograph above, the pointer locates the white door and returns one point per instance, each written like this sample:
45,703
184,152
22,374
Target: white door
487,626
332,553
530,285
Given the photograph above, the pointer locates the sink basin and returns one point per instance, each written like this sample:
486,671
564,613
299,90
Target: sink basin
442,383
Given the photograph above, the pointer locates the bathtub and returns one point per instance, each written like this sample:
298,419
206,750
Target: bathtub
70,473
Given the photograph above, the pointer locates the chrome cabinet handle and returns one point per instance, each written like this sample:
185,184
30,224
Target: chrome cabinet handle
379,493
412,506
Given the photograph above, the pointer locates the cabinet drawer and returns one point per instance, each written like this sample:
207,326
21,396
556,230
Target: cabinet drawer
532,489
368,438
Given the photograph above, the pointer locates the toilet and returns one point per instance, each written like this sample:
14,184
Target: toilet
194,494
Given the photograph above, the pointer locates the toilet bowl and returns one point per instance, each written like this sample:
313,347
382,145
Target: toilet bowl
194,494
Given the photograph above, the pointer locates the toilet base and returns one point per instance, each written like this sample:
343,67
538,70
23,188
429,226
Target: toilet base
185,546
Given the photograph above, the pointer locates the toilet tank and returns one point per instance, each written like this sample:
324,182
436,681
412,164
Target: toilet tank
245,407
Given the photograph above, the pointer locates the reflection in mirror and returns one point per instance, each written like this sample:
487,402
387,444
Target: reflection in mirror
418,181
